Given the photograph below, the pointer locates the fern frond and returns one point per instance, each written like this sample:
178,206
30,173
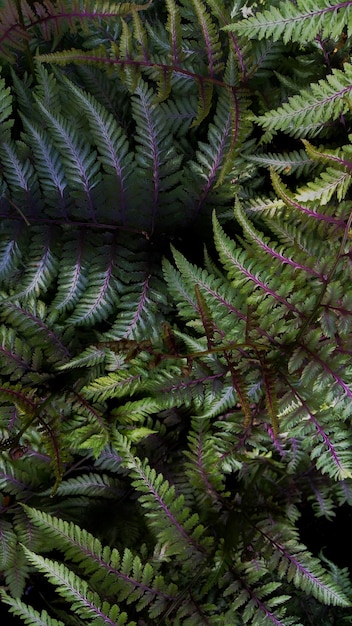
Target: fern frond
330,449
96,57
334,446
104,286
226,299
48,165
136,411
88,358
240,385
154,152
41,267
124,576
12,31
5,109
177,528
29,615
257,601
215,158
211,38
79,160
202,467
173,27
335,179
310,210
308,574
20,175
221,11
94,485
10,255
7,544
340,576
112,145
243,271
18,19
261,57
300,22
331,181
205,99
186,417
73,271
264,244
307,112
297,162
84,602
271,398
12,562
119,384
15,356
330,157
142,304
16,481
38,325
19,396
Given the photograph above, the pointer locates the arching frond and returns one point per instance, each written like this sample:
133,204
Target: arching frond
27,613
301,21
307,112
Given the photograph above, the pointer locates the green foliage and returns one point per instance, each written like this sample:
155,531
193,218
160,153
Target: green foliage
299,21
305,113
165,414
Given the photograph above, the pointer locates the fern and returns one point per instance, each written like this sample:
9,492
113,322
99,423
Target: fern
335,179
84,602
124,575
188,538
164,419
301,21
28,614
306,112
297,162
18,19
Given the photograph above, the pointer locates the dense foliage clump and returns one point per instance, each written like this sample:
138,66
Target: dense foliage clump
176,306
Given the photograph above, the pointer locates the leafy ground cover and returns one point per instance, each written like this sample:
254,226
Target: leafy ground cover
175,284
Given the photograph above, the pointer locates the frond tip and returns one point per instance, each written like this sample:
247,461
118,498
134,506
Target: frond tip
27,613
123,574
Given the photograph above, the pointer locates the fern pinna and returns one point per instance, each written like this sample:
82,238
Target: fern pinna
162,422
